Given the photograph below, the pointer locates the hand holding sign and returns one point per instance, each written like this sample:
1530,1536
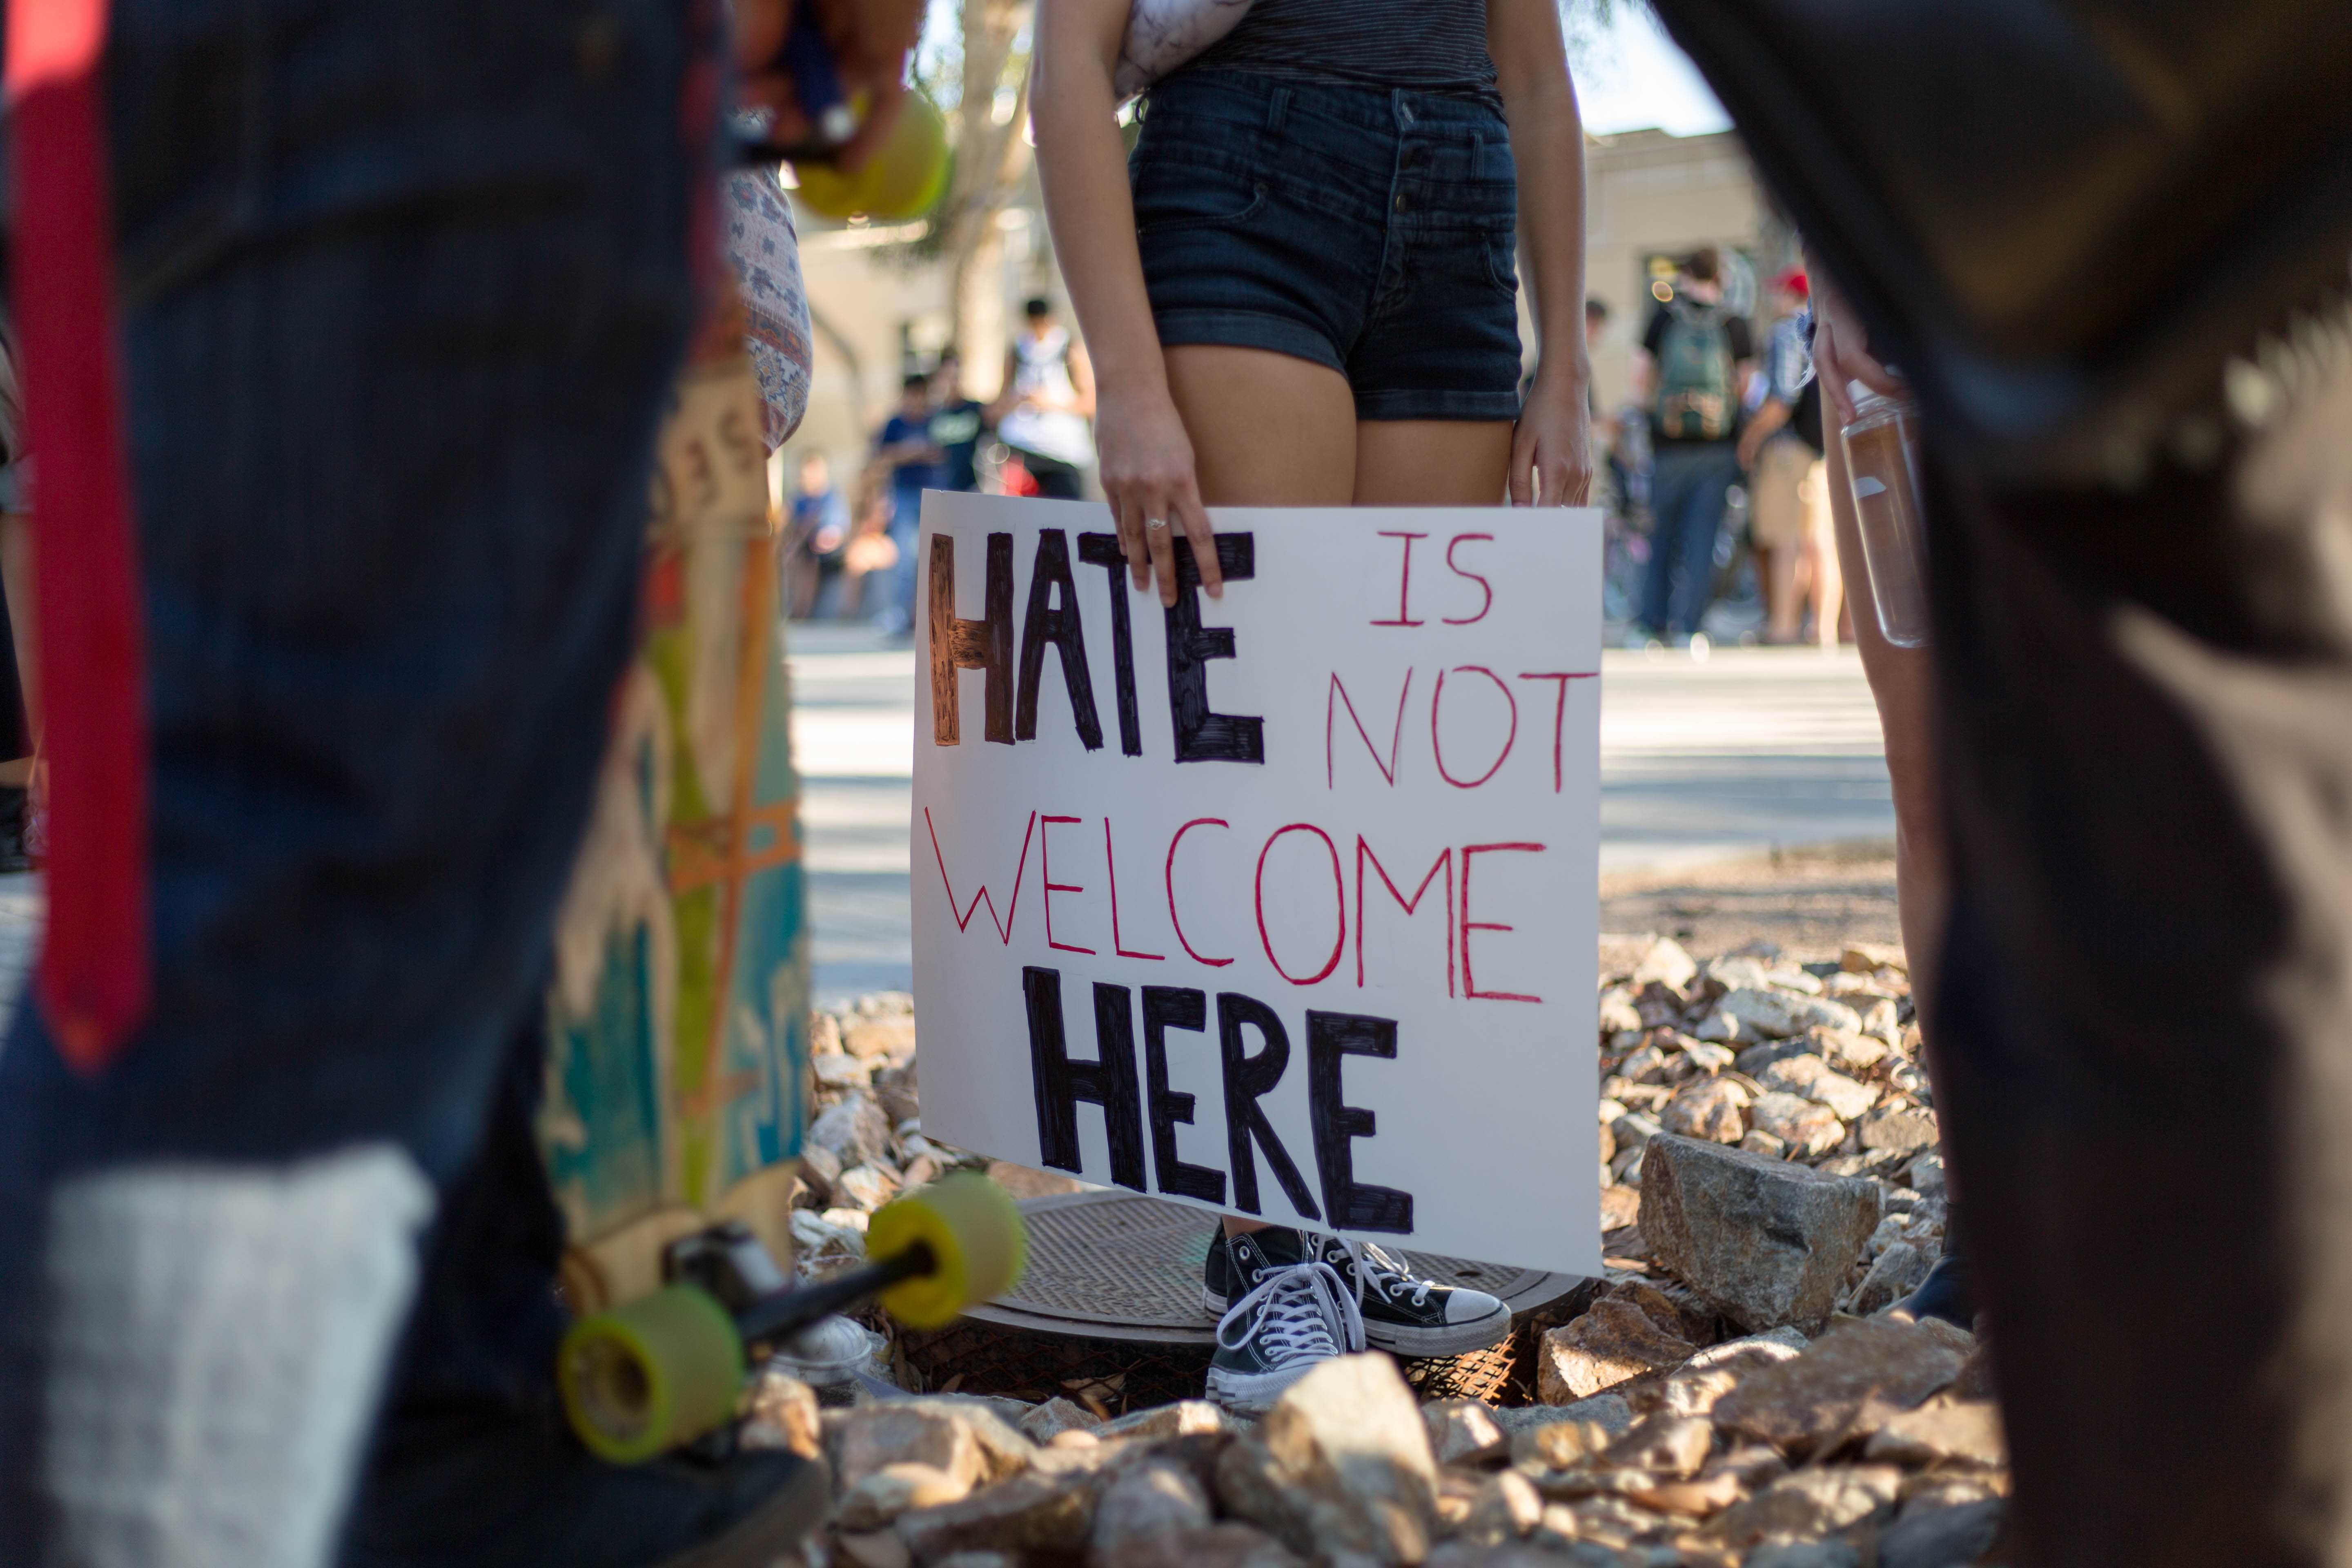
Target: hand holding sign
1282,904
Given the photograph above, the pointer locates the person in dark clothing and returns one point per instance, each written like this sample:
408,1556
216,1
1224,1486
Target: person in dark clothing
958,422
1695,360
905,446
2106,244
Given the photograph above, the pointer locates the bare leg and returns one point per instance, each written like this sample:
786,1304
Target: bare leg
1432,462
1902,684
1827,589
1267,430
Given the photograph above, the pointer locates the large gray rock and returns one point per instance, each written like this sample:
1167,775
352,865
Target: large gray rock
1762,1241
1780,1013
1340,1468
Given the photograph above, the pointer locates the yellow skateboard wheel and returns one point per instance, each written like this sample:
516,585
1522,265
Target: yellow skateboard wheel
978,1247
903,180
643,1378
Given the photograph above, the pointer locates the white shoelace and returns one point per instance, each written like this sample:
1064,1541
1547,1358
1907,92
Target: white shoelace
1383,1269
1302,1311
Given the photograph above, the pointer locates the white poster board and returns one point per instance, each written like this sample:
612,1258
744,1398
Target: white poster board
1296,920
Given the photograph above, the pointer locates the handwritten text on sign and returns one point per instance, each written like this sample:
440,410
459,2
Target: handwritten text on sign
1282,904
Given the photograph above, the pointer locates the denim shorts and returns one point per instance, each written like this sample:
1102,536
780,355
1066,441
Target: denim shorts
1367,229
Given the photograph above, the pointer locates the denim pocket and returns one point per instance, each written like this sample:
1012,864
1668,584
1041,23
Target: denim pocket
1502,259
1182,193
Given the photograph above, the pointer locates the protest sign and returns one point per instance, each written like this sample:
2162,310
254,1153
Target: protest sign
1282,904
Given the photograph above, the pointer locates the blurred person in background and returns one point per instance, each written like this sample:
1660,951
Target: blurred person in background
904,445
1042,415
1690,371
957,423
1781,450
816,542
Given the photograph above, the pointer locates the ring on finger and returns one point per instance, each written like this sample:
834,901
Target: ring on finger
1156,524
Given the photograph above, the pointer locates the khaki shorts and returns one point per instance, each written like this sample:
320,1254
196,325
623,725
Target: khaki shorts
1789,494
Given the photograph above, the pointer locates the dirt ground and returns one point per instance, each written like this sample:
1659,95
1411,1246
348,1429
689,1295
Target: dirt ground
1809,902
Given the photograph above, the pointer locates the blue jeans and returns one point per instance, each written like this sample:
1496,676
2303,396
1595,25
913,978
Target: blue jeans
402,291
905,532
1688,486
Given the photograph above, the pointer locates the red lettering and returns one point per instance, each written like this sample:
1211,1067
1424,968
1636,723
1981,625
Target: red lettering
1003,929
1045,870
1172,921
1455,543
1339,694
1340,888
1470,985
1404,581
1444,863
1559,709
1110,869
1438,750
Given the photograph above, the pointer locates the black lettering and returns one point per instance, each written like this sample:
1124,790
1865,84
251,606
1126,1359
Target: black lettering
1247,1079
1102,549
1330,1038
1059,1083
1202,736
1167,1008
985,643
1053,621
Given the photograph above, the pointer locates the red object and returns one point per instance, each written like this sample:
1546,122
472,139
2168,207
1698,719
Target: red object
1795,282
94,974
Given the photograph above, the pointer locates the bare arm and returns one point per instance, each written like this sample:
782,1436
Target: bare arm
1642,376
1551,455
1146,456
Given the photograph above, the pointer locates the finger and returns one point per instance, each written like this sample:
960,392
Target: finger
1162,542
1193,519
1129,512
1578,488
1523,460
1828,369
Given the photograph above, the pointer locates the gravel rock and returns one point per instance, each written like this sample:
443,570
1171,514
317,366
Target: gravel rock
1613,1342
1507,1507
1340,1468
1463,1431
1631,1130
882,1496
1032,1514
867,1187
1806,1128
1145,1500
1803,1554
1761,1241
1228,1545
1941,1538
1925,1176
1700,1384
1814,1079
1850,1383
839,1069
1776,1013
1884,1021
865,1437
897,1089
853,1131
1900,1131
1665,1444
785,1414
1870,957
1754,1060
1177,1420
1966,1430
1619,1206
1706,1056
1607,1411
1665,962
1057,1415
1617,1012
1896,1273
880,1040
1847,1053
1713,1110
1810,1502
1759,1142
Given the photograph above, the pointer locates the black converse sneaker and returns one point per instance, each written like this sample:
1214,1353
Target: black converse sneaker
1292,1312
1403,1313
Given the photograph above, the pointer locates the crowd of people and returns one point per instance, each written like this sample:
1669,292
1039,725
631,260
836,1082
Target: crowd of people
275,1247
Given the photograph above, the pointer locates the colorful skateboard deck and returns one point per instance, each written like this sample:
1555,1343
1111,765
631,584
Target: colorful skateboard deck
678,1017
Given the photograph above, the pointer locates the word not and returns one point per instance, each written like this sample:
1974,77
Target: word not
1109,1080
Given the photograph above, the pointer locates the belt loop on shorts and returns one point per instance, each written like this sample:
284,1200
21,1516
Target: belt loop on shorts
1277,107
1403,108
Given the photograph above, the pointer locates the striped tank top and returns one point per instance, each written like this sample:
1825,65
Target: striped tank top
1427,45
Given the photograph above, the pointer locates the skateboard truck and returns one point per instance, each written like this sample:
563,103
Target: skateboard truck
666,1368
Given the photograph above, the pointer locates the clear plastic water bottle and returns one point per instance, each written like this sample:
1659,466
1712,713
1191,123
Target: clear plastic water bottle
1882,458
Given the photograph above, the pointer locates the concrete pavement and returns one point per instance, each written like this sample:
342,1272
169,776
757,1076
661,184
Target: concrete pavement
1754,750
